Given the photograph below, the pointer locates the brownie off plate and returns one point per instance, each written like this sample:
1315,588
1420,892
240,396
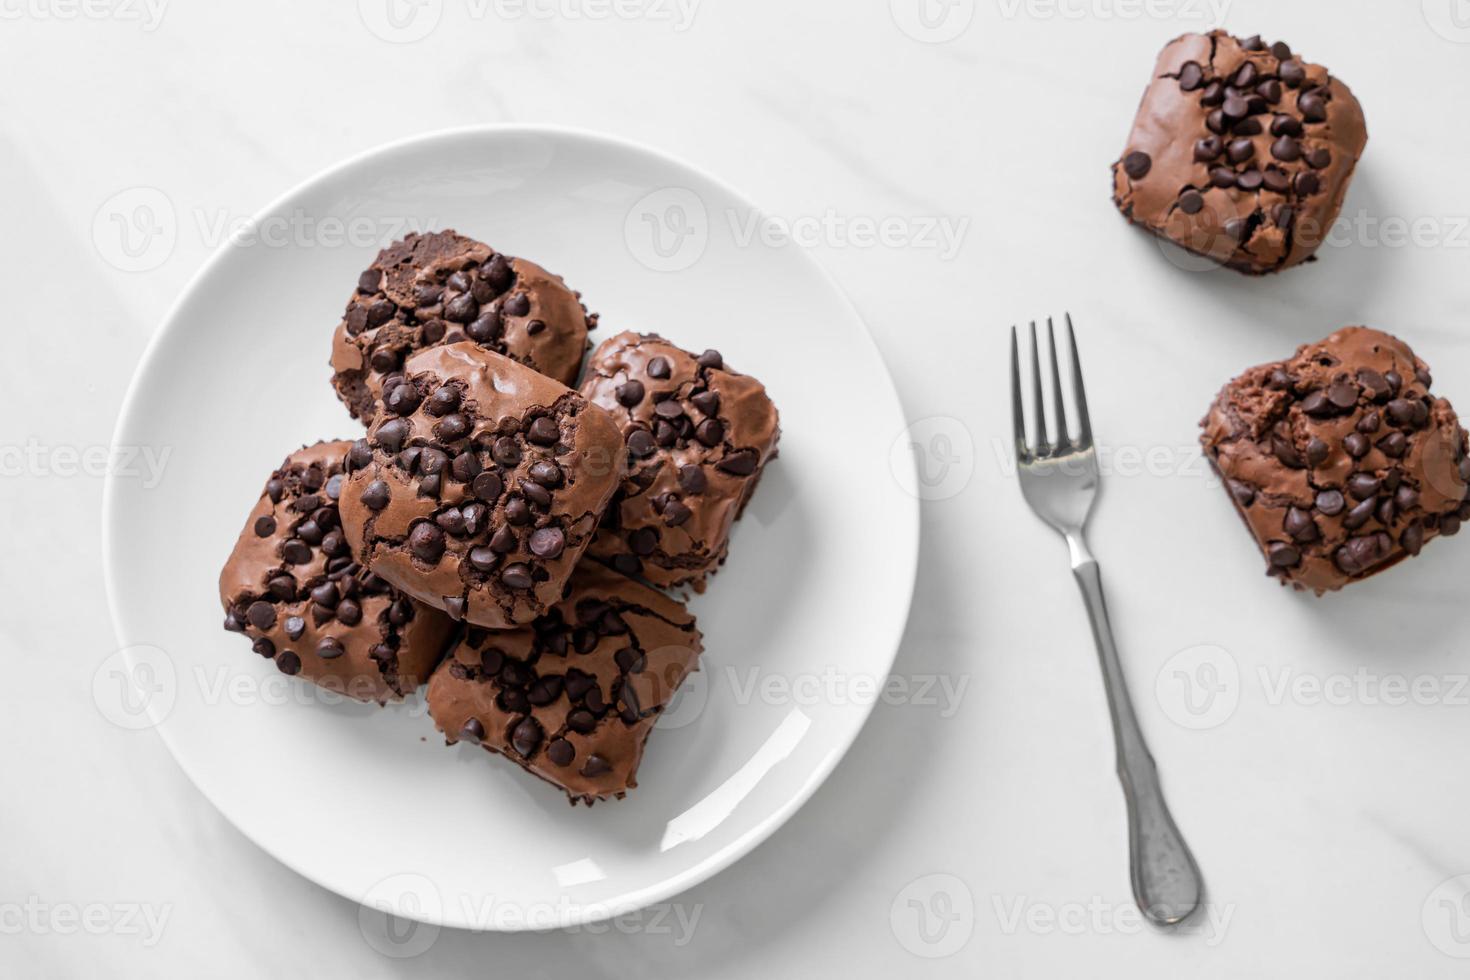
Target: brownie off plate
1241,152
1340,460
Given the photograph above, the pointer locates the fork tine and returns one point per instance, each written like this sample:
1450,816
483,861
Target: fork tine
1018,414
1038,396
1084,435
1063,442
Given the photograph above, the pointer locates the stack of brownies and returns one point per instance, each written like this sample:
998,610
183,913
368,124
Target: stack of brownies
496,533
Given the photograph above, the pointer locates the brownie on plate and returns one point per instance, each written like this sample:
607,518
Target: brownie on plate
479,484
699,436
573,696
292,586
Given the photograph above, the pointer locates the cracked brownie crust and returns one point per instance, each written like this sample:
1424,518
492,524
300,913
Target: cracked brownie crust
479,485
292,587
699,436
1340,460
572,697
1241,152
444,288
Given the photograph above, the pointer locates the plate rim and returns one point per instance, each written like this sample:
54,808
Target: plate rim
696,873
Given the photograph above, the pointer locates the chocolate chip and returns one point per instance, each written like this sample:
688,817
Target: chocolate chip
1293,73
596,765
659,368
1312,107
641,444
1241,150
1246,75
1343,394
265,526
1401,411
472,731
581,721
487,486
375,495
561,752
1300,526
486,328
392,434
466,467
1213,95
452,428
1307,184
675,513
630,394
1361,514
426,541
692,479
1244,493
1317,451
711,359
1208,149
1394,445
295,626
741,462
1277,181
1362,486
380,313
547,542
517,512
1320,158
544,431
1281,50
1215,121
526,737
1284,125
262,615
1330,502
1191,76
518,305
325,594
451,520
402,399
711,432
643,541
517,576
1406,498
288,663
1412,539
330,648
1356,445
504,540
1370,423
1250,180
535,493
1317,404
1270,90
1361,554
484,559
1286,149
461,309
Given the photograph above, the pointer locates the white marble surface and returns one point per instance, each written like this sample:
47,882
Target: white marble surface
1322,787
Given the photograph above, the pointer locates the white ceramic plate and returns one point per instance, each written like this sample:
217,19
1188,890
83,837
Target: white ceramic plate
799,627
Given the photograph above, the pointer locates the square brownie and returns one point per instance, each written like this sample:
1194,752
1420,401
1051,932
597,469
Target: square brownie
1241,151
699,436
479,484
290,584
1340,460
444,288
572,697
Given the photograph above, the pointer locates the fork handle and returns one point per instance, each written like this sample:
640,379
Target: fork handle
1166,881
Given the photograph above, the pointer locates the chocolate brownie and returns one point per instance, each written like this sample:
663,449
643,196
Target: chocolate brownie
699,436
1340,460
572,697
444,288
479,485
1241,152
292,586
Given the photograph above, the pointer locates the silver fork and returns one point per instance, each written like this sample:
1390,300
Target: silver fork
1060,481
